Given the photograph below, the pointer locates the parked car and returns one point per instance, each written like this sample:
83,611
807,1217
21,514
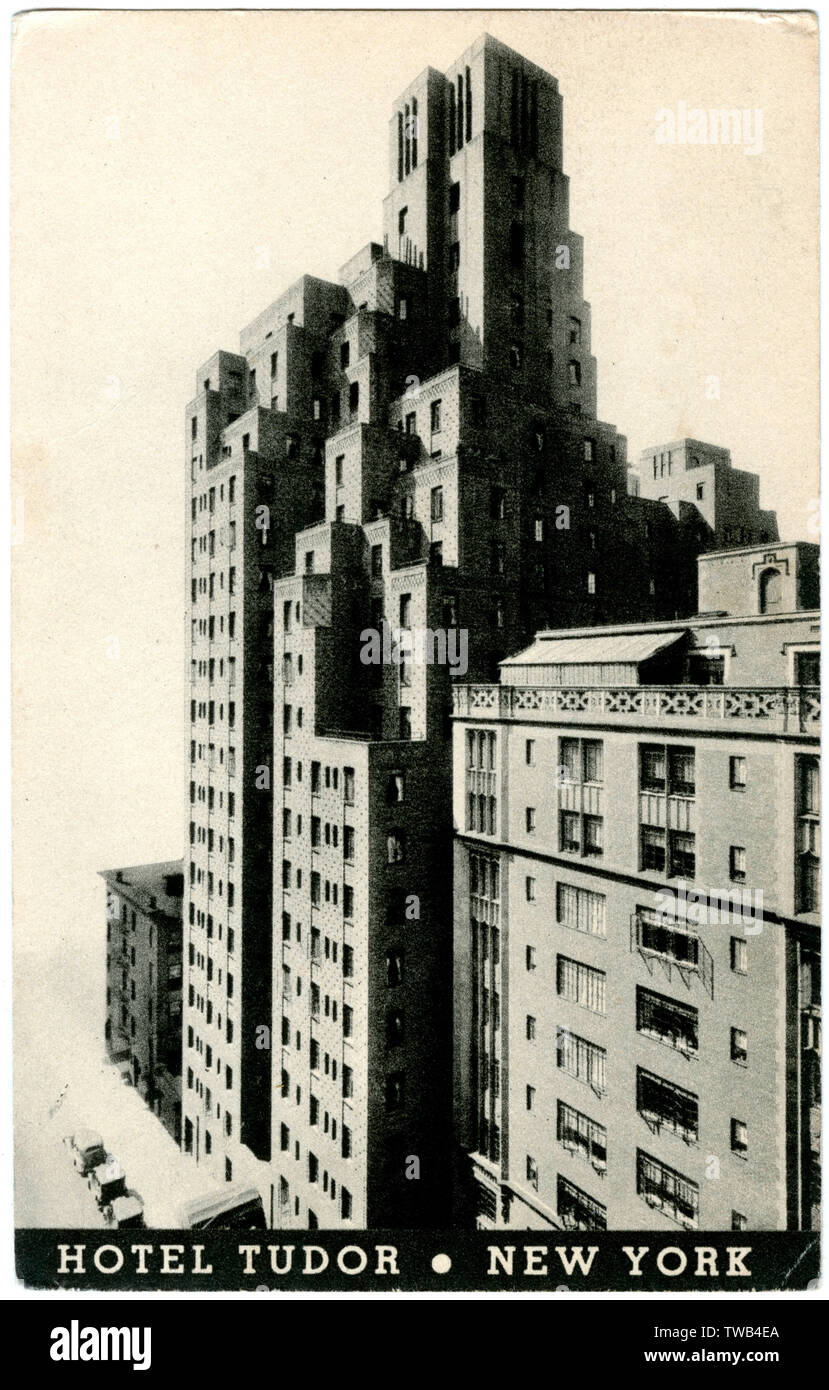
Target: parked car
87,1149
235,1208
125,1211
106,1182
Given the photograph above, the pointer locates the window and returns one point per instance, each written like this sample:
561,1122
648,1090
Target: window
580,909
532,1166
582,1059
539,528
667,1021
530,958
682,855
578,1211
807,668
394,1028
529,889
737,774
651,768
706,668
581,834
771,591
681,778
516,246
662,1187
395,847
395,788
377,560
656,937
593,834
530,1028
516,356
530,820
395,961
437,504
582,1136
345,355
807,794
739,955
574,373
652,848
349,842
737,864
739,1138
582,984
454,197
394,1089
569,828
739,1046
435,416
739,1222
664,1105
591,582
497,504
345,1204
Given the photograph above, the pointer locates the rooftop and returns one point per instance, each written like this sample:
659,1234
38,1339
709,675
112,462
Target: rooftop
147,886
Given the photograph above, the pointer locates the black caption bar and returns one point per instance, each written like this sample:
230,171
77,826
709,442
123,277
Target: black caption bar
460,1261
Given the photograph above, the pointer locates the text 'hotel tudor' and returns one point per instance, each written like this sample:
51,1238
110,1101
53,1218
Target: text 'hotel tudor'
424,971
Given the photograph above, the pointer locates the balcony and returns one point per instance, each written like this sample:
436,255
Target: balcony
780,709
673,949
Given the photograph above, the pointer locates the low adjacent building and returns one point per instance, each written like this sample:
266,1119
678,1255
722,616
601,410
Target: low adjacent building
143,987
637,974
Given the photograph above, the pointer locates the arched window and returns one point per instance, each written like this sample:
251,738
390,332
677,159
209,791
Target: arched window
771,591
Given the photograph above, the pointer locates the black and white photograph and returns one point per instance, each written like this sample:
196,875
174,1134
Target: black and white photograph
416,653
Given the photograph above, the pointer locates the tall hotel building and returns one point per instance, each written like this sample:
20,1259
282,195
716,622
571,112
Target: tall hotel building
638,950
412,448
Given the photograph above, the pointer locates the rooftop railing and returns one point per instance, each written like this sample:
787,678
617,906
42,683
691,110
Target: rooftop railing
779,709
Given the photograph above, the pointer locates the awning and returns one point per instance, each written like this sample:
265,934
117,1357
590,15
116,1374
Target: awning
602,650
